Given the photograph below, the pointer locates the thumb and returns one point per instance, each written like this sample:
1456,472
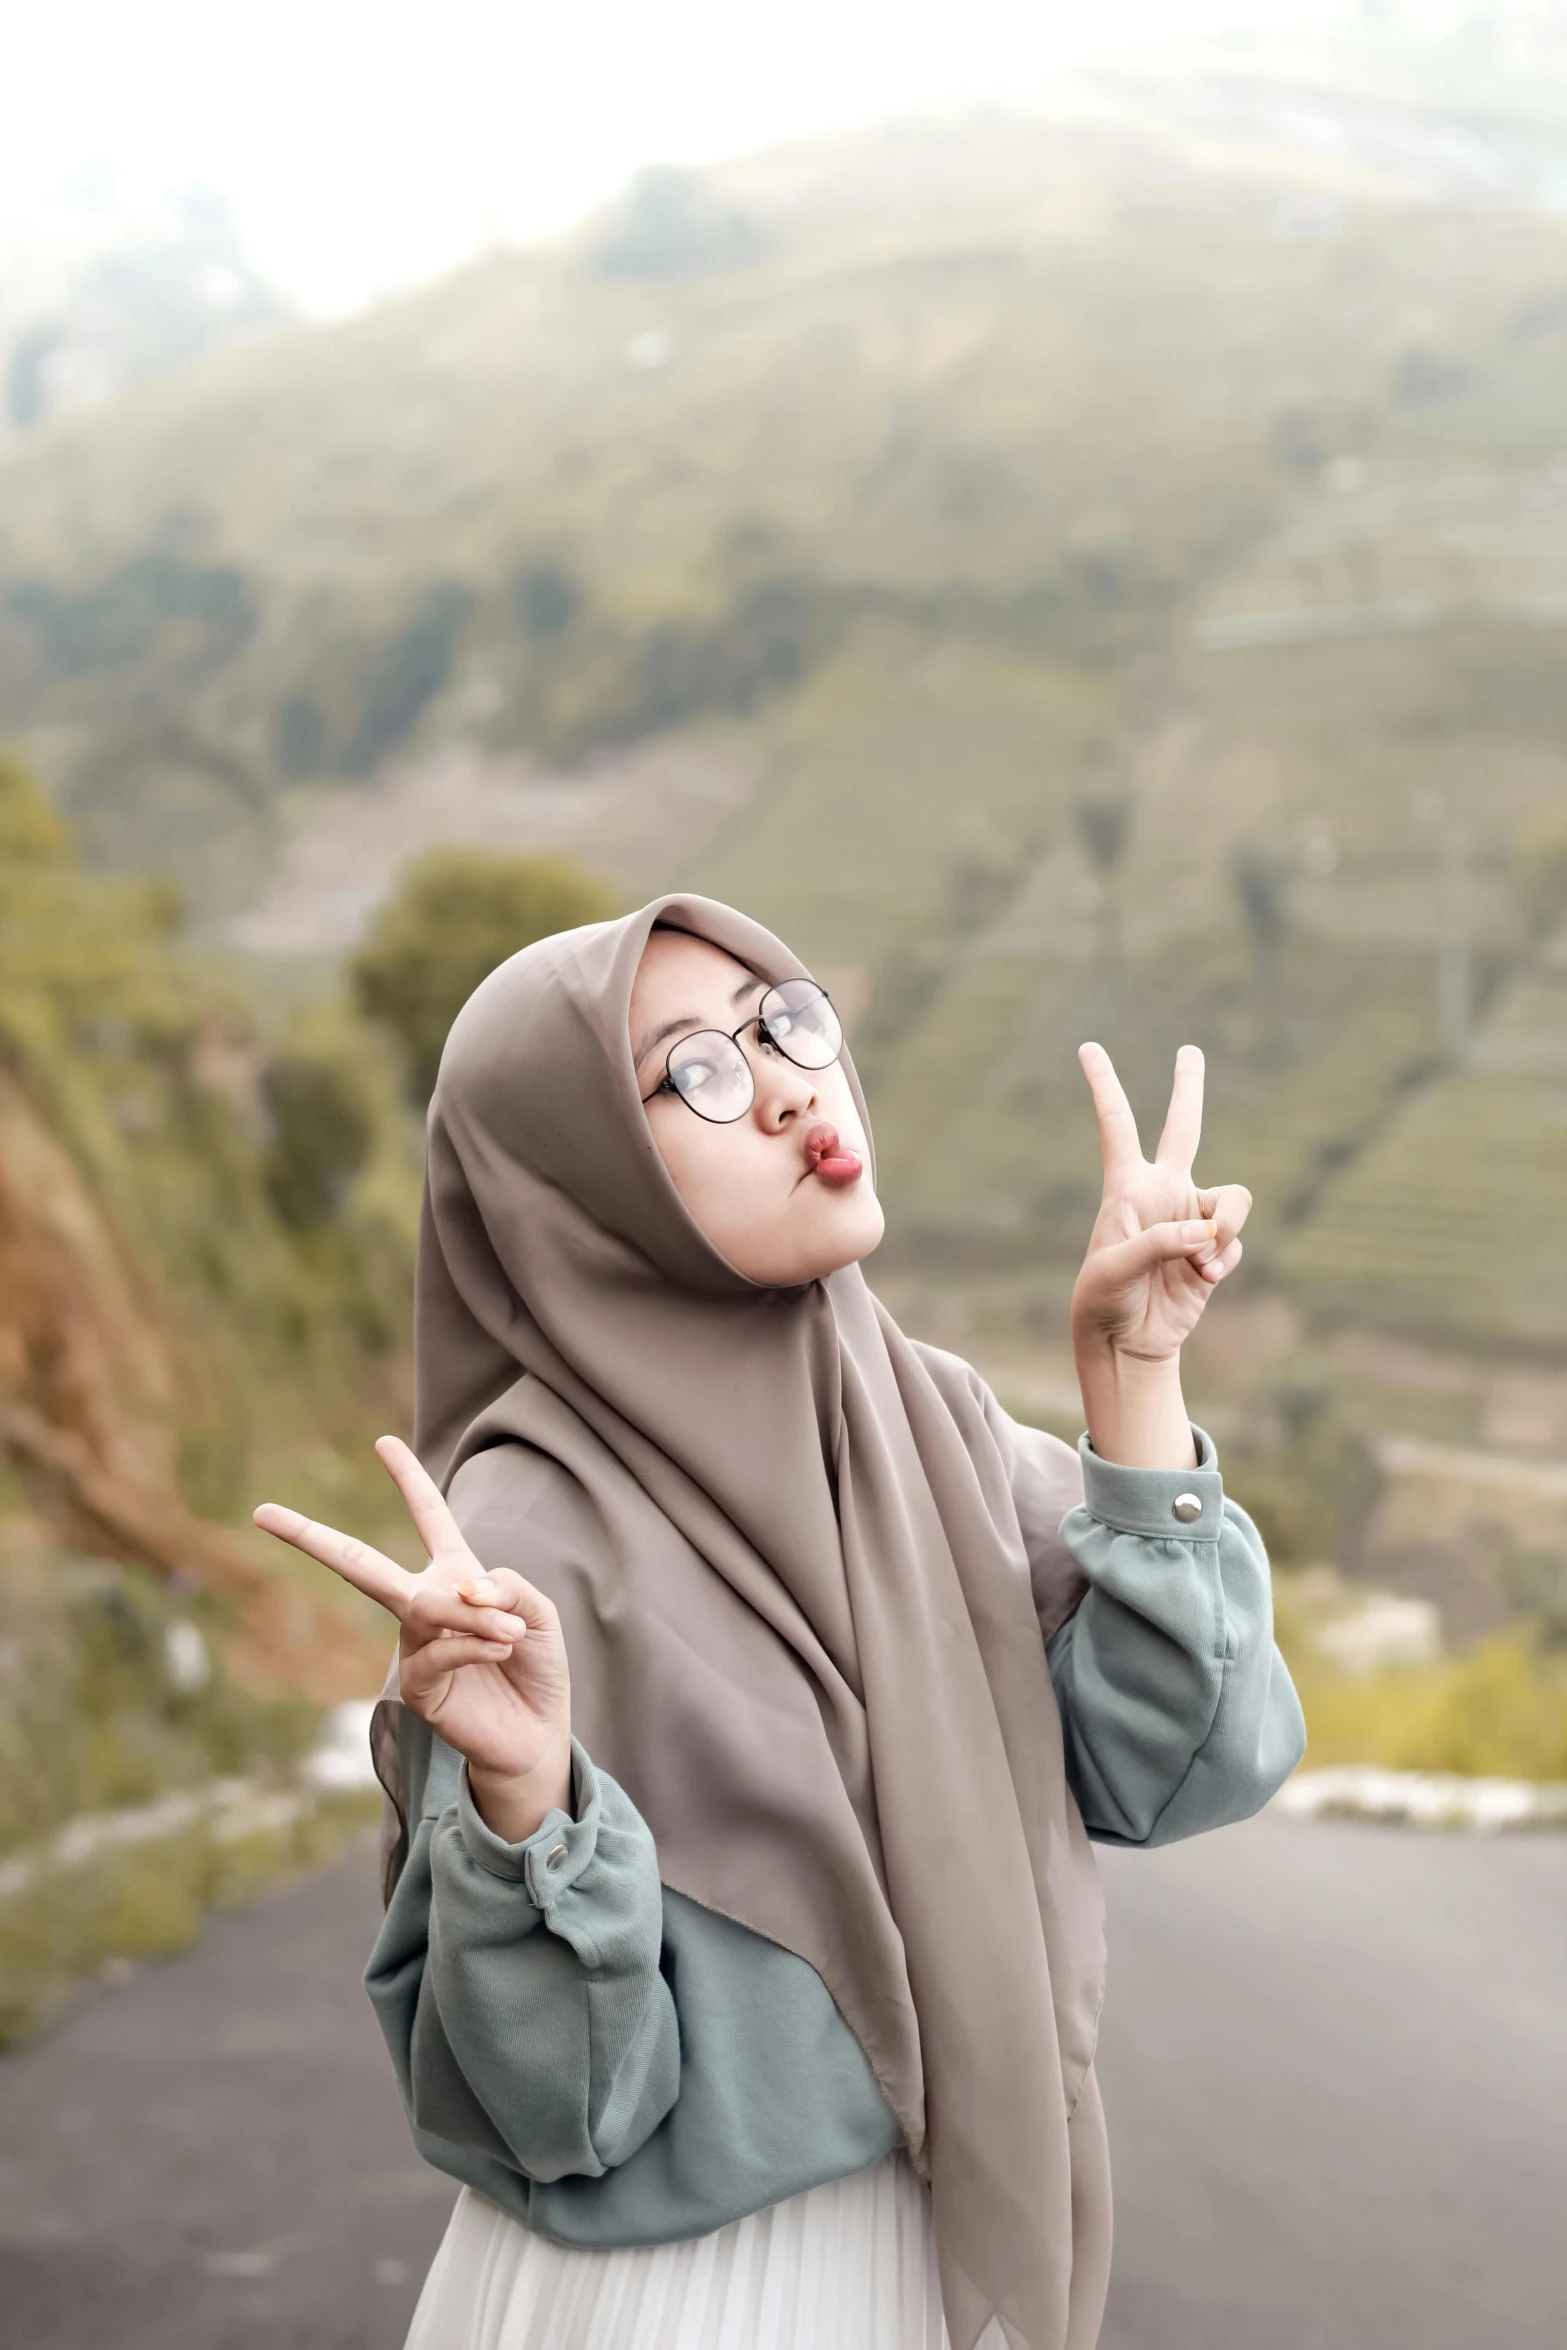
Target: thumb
1128,1260
512,1593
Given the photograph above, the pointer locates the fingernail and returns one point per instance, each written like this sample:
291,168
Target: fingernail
480,1588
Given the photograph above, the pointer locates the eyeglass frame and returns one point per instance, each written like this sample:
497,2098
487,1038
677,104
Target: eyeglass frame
733,1036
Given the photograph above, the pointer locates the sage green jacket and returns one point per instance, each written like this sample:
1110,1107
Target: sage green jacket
616,2065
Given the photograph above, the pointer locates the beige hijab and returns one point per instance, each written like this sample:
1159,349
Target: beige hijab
793,1554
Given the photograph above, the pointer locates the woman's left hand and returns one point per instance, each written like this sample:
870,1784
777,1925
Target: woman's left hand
1160,1245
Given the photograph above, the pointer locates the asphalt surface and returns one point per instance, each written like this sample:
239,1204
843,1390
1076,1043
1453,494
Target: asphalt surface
1334,2058
211,2155
1335,2066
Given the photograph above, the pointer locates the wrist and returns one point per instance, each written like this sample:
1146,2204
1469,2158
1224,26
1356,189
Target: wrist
515,1804
1134,1407
1111,1369
1099,1349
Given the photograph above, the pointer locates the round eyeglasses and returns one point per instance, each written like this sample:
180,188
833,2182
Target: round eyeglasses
713,1076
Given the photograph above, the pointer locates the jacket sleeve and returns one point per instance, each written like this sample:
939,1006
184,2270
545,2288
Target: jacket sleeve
519,1985
1177,1710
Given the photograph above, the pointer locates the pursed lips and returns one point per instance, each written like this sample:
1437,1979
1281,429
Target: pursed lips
829,1159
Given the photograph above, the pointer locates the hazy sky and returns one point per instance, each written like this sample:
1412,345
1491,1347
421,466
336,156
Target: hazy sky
368,142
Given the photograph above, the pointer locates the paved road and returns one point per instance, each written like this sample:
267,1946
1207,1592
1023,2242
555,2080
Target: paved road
1335,2061
211,2156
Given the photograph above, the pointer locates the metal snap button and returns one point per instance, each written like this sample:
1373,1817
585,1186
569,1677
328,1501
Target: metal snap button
555,1855
1187,1507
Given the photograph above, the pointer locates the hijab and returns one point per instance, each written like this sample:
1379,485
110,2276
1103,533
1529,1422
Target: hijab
803,1566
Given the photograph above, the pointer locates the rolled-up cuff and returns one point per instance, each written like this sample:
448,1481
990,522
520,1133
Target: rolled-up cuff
1175,1505
557,1852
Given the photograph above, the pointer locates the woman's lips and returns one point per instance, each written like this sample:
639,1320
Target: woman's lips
828,1159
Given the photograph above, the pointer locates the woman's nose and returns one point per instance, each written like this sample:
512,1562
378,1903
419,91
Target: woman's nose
783,1093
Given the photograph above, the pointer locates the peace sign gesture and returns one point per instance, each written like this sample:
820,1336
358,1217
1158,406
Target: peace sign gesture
1159,1245
480,1656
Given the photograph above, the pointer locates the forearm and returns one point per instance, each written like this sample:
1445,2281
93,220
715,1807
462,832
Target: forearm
1133,1407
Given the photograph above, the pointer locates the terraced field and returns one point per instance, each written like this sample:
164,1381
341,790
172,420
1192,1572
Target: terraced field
1081,572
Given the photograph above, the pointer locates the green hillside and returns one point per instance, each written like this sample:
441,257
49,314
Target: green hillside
1096,562
206,1238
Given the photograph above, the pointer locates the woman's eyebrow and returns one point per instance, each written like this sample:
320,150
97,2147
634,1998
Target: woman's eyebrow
681,1020
689,1020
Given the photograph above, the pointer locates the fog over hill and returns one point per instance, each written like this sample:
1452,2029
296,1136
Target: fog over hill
98,292
1097,570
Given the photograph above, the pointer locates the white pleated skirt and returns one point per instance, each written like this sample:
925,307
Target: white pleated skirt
848,2266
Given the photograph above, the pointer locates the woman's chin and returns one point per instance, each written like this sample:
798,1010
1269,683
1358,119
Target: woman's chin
823,1230
845,1225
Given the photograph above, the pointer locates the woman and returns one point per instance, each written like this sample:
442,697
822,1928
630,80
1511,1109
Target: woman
744,1954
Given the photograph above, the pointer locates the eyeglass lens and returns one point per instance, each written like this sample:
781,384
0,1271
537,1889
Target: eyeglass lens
713,1076
801,1022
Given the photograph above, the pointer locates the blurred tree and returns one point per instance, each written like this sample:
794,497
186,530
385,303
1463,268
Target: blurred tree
301,737
671,221
1536,1583
323,1127
1104,826
1261,881
1104,821
1312,1488
455,915
120,619
27,375
761,644
30,831
548,599
406,674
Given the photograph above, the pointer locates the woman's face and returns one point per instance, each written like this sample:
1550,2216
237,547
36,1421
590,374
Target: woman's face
756,1187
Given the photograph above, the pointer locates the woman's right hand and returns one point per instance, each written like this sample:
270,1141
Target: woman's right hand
480,1657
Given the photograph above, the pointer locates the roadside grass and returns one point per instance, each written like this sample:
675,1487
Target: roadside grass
1498,1712
139,1786
121,1907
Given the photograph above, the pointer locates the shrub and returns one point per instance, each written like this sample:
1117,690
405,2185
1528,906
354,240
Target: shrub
456,914
1498,1712
407,674
322,1131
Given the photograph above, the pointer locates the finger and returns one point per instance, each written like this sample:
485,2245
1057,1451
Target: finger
1183,1120
422,1498
422,1670
381,1578
512,1593
1127,1259
1118,1142
1226,1261
1229,1206
435,1609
